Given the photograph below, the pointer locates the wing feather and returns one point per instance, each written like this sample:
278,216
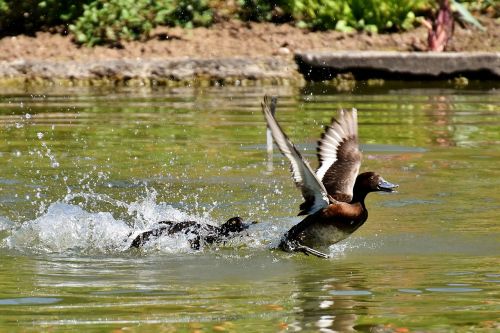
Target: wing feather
339,155
313,190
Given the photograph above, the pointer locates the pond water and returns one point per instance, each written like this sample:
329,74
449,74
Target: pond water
82,168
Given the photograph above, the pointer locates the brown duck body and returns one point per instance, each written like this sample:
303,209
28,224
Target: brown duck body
339,219
336,221
326,227
334,194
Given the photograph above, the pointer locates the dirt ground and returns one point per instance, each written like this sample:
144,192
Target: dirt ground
239,39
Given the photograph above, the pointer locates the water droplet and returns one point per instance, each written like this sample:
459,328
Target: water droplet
39,135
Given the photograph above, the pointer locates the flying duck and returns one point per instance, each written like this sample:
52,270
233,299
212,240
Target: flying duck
334,195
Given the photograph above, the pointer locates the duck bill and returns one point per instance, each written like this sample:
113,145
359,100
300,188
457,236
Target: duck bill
248,224
385,186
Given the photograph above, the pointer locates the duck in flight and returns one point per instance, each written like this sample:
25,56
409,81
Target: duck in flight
334,195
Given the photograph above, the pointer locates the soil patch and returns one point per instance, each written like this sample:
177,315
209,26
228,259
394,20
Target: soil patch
238,39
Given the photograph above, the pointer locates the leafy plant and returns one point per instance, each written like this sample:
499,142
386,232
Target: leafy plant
344,15
28,16
465,15
4,7
441,25
489,7
322,14
185,13
112,21
384,14
258,10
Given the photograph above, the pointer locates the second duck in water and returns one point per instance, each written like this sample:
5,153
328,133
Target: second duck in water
335,194
198,234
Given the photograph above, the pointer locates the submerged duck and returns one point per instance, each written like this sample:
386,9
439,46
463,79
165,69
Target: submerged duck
335,194
196,233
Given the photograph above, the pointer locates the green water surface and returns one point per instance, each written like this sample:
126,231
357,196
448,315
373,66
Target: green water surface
83,168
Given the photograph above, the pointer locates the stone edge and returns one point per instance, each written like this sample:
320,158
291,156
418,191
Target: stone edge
318,66
315,66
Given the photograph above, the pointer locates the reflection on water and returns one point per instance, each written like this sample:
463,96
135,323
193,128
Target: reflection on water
82,170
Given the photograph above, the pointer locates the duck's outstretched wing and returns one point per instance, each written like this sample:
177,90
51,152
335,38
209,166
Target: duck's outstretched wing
313,191
339,155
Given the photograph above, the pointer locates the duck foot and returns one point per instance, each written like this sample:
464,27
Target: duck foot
294,246
307,251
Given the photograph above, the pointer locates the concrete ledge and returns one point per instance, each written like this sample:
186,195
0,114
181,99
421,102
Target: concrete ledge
156,71
317,66
254,71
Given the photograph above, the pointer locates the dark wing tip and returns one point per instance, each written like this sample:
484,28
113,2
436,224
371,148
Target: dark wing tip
304,208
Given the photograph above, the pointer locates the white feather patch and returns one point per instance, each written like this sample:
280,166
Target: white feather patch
344,127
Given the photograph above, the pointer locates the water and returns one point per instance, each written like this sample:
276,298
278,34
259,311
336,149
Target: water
82,169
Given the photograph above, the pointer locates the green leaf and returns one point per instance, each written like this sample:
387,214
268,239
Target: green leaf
371,28
343,27
466,15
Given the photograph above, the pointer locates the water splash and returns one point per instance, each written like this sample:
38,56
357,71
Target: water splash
47,151
5,224
87,222
67,226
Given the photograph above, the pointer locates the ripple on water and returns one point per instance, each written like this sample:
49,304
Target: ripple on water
410,291
350,292
492,278
130,292
459,273
453,290
409,202
459,284
29,301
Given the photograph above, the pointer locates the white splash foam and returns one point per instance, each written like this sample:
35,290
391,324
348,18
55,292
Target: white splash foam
178,243
66,227
5,224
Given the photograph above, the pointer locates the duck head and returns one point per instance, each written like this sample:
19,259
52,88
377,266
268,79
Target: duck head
234,225
371,182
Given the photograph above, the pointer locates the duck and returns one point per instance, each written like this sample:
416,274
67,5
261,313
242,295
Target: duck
334,195
198,234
